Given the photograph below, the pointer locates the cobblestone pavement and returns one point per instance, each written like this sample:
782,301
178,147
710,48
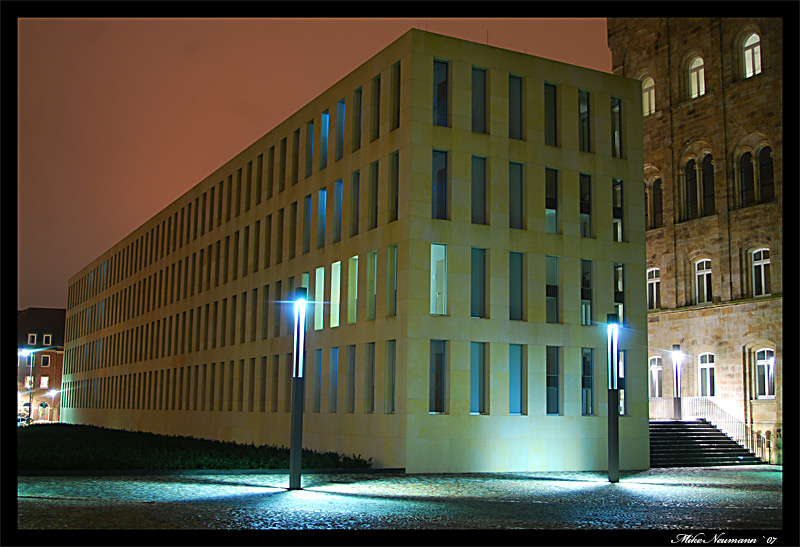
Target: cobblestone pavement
720,498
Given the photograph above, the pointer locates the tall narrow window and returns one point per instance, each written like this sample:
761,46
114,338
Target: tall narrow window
648,96
551,380
309,147
292,229
350,380
394,185
319,297
355,189
369,378
654,370
697,79
766,184
437,377
270,181
295,156
706,371
440,93
550,115
761,273
438,279
339,146
372,283
616,203
439,180
551,201
653,289
333,379
478,190
352,289
337,211
587,382
515,107
478,100
747,185
584,122
691,190
765,374
375,122
391,371
515,196
619,291
316,381
586,205
394,122
477,378
623,400
516,380
478,283
551,289
752,56
356,119
372,205
322,201
586,292
616,127
516,300
703,281
306,223
336,287
707,171
658,204
324,127
391,282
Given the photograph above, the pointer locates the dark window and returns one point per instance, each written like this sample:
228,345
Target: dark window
478,190
478,290
658,204
551,201
440,113
584,124
586,205
765,174
747,186
616,127
395,121
375,130
439,194
691,190
478,100
356,119
515,107
437,376
550,118
515,196
708,185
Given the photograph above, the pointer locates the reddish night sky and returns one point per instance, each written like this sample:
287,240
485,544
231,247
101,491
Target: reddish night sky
120,117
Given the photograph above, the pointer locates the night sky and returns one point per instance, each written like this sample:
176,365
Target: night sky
120,117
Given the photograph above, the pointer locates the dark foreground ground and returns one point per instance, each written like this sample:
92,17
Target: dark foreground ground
674,501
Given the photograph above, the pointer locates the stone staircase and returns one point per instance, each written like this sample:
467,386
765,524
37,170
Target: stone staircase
694,443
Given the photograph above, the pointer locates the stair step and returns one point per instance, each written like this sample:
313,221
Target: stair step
694,443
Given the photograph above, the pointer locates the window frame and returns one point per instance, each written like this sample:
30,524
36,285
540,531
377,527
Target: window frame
655,364
769,364
696,75
705,371
751,52
655,282
648,96
765,264
706,273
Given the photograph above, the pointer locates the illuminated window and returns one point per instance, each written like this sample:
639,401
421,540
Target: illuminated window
319,297
765,373
44,382
337,211
619,291
752,56
323,139
697,80
551,289
477,375
648,96
703,281
706,370
438,279
617,231
516,380
352,289
586,292
655,377
336,283
322,202
616,127
653,289
587,382
761,272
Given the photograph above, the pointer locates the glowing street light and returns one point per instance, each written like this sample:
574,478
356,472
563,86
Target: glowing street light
298,385
677,359
613,397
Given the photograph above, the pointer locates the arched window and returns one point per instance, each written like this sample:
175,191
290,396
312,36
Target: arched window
655,377
691,190
752,55
658,204
747,187
761,272
648,96
697,79
765,373
653,289
702,269
708,185
766,182
706,370
646,210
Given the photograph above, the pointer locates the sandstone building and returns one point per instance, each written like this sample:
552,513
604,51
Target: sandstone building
464,218
713,172
40,358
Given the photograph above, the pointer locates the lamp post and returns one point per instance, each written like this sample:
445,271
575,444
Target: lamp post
298,384
677,358
28,354
613,397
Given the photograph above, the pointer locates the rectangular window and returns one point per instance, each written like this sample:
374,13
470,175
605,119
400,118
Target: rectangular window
586,292
309,147
616,202
391,281
337,211
369,378
322,199
45,359
515,196
394,185
437,398
477,378
619,291
339,146
438,279
307,224
281,167
440,94
278,239
653,289
478,190
295,155
584,122
703,280
439,182
478,283
616,127
333,379
515,107
270,178
323,139
265,312
352,289
552,380
551,201
292,229
356,119
354,195
515,286
391,362
551,289
586,205
762,278
316,381
259,185
587,382
394,122
350,380
319,297
336,287
478,100
372,204
517,380
375,126
623,401
550,115
267,244
372,283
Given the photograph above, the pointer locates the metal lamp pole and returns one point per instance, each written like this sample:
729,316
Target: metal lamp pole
29,355
677,358
613,397
298,385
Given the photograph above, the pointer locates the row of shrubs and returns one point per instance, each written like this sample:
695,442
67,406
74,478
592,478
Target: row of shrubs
75,447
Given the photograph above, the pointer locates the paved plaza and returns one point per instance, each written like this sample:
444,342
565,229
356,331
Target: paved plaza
719,498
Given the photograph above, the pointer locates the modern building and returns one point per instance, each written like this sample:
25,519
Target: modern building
464,218
40,358
713,176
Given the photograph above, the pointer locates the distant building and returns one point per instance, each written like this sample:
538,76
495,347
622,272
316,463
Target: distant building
463,216
713,176
40,358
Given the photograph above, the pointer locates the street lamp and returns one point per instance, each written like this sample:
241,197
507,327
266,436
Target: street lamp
28,354
298,384
677,358
613,397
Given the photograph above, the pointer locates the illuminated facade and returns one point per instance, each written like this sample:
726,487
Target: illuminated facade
463,218
40,358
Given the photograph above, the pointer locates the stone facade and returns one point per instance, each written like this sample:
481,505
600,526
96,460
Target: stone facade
738,113
40,331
